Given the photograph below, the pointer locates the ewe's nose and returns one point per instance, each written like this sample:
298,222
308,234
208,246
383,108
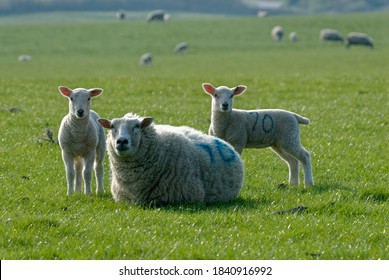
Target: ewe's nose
121,141
225,106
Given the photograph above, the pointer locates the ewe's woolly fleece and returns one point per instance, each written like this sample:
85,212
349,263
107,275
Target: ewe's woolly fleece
174,165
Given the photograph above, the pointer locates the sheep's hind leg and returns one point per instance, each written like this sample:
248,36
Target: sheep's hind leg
293,165
305,158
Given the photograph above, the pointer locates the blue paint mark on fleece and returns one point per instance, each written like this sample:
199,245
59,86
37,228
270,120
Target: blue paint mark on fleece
226,153
267,123
256,119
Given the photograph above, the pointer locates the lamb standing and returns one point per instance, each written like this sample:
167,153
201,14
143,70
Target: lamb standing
278,129
82,141
160,164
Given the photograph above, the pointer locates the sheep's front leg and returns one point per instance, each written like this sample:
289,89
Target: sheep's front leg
87,172
78,178
69,168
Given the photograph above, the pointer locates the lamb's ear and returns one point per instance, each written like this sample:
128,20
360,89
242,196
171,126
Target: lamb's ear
239,90
146,122
65,91
95,92
105,123
208,88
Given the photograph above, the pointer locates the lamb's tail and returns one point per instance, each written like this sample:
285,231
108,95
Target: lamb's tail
301,119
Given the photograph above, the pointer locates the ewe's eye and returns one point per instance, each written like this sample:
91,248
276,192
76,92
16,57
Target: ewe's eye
136,127
231,96
217,96
71,98
88,98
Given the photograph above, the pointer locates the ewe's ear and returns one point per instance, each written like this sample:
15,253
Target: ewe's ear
146,122
208,88
95,92
105,123
65,91
239,90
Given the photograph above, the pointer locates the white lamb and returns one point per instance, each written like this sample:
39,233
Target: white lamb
82,141
161,164
278,129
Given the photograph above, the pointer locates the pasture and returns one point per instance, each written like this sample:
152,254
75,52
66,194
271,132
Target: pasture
344,92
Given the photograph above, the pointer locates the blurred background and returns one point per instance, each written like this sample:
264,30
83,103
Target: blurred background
233,7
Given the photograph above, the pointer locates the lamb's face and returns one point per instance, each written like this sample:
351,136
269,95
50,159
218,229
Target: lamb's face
79,103
125,136
223,99
79,100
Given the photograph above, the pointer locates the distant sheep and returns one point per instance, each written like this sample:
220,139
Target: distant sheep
157,15
24,58
275,128
293,37
161,164
361,39
121,14
277,33
180,47
82,141
330,35
146,59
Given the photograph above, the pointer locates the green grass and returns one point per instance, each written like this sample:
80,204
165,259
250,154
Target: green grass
343,92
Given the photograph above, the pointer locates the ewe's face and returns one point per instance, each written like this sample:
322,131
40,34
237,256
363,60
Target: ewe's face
126,135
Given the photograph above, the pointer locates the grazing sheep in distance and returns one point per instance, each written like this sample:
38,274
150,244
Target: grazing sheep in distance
24,58
362,39
180,47
146,59
157,15
330,35
293,36
275,128
82,141
277,33
161,164
121,14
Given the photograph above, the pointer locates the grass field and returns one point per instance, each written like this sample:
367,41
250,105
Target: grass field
343,92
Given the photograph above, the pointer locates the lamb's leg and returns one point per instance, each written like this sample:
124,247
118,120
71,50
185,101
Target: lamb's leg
78,178
305,158
87,172
69,168
292,163
99,172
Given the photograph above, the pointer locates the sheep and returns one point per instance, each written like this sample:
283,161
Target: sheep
180,47
293,37
156,165
82,141
121,14
146,59
24,58
277,33
330,35
157,15
275,128
362,39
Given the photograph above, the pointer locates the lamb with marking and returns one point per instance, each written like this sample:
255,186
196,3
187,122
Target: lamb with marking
274,128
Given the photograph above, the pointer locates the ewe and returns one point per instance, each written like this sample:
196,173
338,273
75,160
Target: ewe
278,129
82,141
161,164
361,39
